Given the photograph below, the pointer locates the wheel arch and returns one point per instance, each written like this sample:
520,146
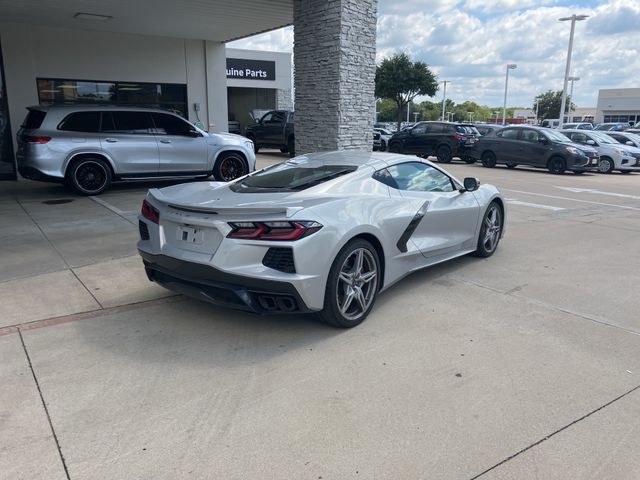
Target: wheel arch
232,149
80,155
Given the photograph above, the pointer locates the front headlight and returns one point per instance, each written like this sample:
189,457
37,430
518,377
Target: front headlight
575,151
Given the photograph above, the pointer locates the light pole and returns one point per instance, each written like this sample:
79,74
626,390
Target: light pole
497,113
415,116
537,100
408,108
470,116
510,66
574,18
444,96
571,79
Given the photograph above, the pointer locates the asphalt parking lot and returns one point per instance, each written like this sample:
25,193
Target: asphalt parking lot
524,365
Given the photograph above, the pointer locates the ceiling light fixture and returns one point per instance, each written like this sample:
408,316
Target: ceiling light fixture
92,17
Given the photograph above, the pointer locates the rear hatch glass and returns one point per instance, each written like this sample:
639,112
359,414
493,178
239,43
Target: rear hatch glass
33,119
290,176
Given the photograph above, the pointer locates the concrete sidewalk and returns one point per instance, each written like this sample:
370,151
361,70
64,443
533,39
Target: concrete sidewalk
524,365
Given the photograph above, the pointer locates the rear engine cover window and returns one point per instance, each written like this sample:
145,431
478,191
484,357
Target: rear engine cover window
290,176
81,122
34,119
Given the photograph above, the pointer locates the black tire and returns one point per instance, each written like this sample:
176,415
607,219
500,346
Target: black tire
469,160
443,154
487,244
488,159
383,146
342,283
395,148
605,165
512,165
556,165
291,146
229,166
89,176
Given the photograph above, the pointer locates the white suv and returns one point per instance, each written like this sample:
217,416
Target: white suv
89,147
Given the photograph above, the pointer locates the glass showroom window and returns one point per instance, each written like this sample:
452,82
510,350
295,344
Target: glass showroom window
168,96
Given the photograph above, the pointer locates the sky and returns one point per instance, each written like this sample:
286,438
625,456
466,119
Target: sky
470,42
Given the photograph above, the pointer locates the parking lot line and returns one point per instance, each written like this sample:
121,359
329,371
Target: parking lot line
511,201
599,192
113,208
626,207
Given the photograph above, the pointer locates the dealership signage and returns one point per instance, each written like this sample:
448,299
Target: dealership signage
251,69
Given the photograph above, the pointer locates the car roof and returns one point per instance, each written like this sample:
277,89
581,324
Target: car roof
79,108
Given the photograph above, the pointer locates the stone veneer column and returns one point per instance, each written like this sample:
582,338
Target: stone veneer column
334,56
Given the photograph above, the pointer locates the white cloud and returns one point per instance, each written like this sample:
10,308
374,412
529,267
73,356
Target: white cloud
469,42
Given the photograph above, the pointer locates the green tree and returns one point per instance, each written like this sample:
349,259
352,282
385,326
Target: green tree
401,80
549,104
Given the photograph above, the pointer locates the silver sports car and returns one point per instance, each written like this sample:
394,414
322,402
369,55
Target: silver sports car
324,232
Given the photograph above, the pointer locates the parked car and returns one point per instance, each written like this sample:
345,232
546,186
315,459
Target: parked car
578,126
615,127
550,123
485,128
626,138
613,156
376,141
634,129
276,245
535,147
89,147
443,139
273,130
384,137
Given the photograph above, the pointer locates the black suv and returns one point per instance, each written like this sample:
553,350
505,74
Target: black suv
535,147
443,139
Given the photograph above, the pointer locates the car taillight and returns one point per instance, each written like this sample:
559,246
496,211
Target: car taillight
150,212
35,139
273,230
457,136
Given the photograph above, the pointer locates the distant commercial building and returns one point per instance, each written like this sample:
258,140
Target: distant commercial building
618,105
579,114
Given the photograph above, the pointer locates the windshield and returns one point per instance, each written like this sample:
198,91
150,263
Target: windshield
290,176
604,138
557,136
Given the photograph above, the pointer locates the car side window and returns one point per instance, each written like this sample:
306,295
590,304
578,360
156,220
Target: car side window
508,133
166,124
266,118
81,122
530,135
127,122
419,129
579,137
435,128
419,177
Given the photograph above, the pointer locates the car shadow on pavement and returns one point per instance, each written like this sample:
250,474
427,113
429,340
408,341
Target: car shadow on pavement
186,331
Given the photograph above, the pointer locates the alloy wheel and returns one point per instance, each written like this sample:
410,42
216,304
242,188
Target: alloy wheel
357,283
91,176
231,168
492,228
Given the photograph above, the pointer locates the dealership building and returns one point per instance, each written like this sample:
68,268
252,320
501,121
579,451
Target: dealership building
172,55
618,105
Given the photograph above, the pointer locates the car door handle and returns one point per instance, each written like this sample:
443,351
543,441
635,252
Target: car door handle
165,140
110,140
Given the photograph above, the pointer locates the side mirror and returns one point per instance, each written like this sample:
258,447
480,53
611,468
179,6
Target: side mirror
193,133
471,184
590,142
543,140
